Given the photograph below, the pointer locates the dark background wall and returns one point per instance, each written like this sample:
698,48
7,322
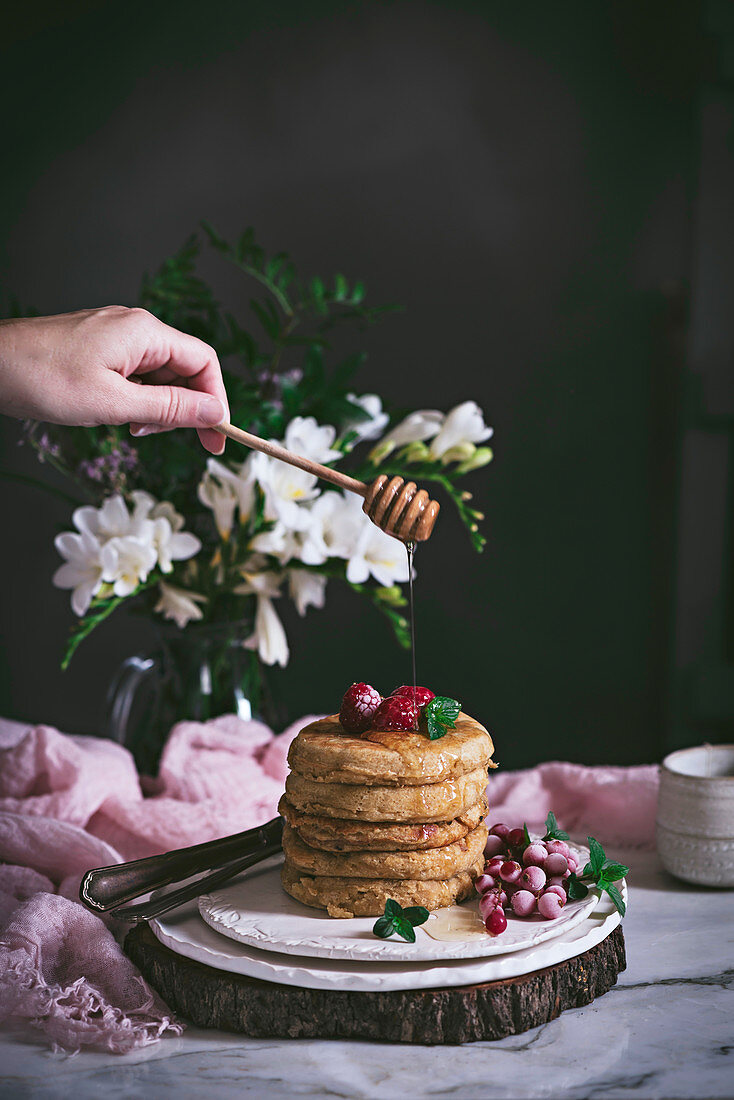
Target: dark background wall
527,180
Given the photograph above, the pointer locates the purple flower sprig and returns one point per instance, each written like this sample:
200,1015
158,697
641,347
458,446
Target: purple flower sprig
110,469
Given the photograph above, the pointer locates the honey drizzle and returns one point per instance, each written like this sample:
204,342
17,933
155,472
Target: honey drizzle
410,551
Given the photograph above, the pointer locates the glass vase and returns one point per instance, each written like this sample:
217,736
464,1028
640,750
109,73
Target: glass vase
196,673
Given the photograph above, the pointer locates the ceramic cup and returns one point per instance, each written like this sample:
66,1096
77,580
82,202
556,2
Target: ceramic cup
695,822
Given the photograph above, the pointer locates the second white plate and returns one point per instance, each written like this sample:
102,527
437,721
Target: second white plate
185,933
255,910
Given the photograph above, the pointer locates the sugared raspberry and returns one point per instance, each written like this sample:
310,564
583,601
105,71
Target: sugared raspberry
359,704
422,695
398,713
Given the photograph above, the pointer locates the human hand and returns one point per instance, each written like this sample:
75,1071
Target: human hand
86,369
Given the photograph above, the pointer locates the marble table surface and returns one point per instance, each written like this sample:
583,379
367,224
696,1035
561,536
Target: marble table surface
666,1030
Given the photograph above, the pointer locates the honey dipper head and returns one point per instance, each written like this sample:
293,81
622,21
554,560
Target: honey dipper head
400,508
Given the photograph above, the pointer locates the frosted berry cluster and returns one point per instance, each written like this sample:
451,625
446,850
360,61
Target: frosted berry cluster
527,877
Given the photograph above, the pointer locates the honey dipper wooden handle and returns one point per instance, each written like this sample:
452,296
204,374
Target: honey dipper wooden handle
343,481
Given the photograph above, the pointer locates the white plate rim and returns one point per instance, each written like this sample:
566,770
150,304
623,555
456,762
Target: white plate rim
352,939
188,935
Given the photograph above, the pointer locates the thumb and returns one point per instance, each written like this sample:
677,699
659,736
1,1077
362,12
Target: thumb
172,407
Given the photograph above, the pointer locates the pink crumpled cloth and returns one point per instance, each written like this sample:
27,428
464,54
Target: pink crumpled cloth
71,803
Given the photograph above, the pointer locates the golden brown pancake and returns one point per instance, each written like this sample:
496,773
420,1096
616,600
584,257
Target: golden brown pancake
432,863
430,802
333,834
325,753
364,897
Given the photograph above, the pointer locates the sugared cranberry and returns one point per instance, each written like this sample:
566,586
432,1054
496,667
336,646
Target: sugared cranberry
535,854
496,922
495,844
510,871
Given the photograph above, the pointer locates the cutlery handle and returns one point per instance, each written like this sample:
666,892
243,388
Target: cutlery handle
105,888
343,481
164,903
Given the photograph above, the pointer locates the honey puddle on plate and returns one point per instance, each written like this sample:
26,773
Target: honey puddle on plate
456,923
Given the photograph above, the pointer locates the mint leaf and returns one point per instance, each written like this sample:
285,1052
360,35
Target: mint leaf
576,888
441,714
587,871
405,929
613,872
416,914
616,897
598,855
399,920
528,841
552,832
383,927
393,909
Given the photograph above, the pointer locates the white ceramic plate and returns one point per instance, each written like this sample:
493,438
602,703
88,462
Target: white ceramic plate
254,909
186,933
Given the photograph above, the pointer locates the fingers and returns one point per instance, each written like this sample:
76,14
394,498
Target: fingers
162,407
187,373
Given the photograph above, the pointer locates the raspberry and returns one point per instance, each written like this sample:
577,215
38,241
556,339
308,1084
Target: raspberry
358,706
422,695
395,713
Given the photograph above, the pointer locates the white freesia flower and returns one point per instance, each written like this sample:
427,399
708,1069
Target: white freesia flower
258,582
378,420
126,562
120,547
307,589
464,424
222,501
172,545
82,570
311,440
241,481
286,488
374,553
112,519
278,542
339,519
165,510
179,605
285,544
224,491
268,637
417,426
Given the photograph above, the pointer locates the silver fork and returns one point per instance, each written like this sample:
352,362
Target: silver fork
108,889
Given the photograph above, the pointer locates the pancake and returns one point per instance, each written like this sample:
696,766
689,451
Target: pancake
433,863
333,834
364,897
430,802
324,753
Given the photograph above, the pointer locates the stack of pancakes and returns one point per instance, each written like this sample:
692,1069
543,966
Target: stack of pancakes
385,815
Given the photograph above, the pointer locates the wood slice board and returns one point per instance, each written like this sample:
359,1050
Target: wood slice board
462,1014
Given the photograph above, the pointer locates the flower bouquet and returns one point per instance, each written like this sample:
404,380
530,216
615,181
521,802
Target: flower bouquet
217,542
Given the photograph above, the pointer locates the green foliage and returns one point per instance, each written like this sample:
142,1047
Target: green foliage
601,873
441,713
552,832
100,609
278,363
397,920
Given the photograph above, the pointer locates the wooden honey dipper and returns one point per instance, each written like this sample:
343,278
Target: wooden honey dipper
398,506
